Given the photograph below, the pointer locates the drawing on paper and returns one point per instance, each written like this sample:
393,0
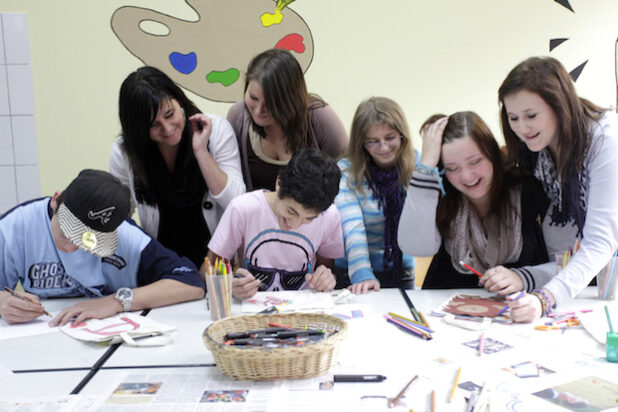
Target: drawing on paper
233,396
489,346
589,394
475,306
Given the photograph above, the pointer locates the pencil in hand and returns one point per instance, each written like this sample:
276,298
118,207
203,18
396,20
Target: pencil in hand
25,298
470,268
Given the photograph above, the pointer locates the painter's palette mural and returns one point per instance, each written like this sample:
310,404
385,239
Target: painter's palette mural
210,55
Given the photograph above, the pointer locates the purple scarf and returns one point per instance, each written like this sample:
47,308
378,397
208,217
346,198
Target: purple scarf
390,195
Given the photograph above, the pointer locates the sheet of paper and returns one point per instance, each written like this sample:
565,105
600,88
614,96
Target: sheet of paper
595,322
38,326
288,301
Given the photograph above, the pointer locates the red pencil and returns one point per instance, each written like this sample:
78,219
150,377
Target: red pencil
476,272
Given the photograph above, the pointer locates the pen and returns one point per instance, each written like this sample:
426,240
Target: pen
476,272
358,378
25,298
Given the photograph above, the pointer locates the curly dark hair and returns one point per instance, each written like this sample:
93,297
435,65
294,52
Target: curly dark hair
310,178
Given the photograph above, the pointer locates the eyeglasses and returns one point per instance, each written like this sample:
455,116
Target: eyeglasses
389,141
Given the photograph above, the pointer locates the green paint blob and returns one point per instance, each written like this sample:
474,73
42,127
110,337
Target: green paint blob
225,78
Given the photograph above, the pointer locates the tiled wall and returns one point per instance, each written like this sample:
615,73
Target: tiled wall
20,178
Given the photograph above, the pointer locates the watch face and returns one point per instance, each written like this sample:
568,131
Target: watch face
124,293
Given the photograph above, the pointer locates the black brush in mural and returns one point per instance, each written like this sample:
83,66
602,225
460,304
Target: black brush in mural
553,43
565,3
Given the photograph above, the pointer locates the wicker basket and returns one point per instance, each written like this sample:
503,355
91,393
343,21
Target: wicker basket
280,363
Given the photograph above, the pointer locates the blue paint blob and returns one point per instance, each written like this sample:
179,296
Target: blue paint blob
184,63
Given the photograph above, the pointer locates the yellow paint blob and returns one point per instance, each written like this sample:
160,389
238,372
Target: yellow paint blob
270,19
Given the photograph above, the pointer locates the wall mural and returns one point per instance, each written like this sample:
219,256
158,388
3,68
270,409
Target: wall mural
207,56
553,43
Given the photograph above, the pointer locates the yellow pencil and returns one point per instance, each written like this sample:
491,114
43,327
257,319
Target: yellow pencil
423,319
450,397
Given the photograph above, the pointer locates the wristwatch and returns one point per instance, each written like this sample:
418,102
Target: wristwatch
125,297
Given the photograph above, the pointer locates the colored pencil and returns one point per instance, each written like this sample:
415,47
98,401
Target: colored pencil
420,329
433,401
450,397
470,268
481,343
423,319
407,328
609,320
25,298
423,326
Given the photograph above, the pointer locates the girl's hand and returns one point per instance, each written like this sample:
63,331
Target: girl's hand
364,286
202,128
501,280
432,142
526,310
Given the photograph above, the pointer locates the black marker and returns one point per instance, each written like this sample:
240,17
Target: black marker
358,378
270,309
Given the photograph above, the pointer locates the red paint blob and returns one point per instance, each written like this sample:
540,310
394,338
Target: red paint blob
292,41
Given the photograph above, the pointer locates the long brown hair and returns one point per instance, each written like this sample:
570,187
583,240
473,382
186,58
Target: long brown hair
285,93
462,124
141,95
378,110
548,78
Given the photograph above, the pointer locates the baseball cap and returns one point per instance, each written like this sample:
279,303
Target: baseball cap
94,205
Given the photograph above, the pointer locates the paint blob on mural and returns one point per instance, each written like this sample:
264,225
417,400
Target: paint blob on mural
208,56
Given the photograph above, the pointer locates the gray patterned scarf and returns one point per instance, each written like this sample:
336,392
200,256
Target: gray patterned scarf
487,243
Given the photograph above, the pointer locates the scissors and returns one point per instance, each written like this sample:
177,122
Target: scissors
569,323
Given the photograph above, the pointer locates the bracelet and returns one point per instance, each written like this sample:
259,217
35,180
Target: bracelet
431,171
545,301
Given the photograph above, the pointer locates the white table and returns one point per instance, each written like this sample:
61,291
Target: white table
372,346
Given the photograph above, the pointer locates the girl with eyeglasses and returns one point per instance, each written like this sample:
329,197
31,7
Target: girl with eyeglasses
482,214
375,173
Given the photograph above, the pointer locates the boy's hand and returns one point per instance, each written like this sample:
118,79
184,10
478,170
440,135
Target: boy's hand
88,309
322,279
364,286
246,286
15,310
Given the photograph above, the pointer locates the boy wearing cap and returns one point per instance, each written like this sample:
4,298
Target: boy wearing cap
289,237
78,243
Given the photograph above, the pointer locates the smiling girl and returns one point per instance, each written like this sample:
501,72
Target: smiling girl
182,166
375,173
487,217
571,146
278,117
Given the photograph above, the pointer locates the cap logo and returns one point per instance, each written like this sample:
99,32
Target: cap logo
104,215
89,240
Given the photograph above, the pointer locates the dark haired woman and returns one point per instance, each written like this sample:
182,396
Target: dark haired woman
571,146
182,166
486,219
278,117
